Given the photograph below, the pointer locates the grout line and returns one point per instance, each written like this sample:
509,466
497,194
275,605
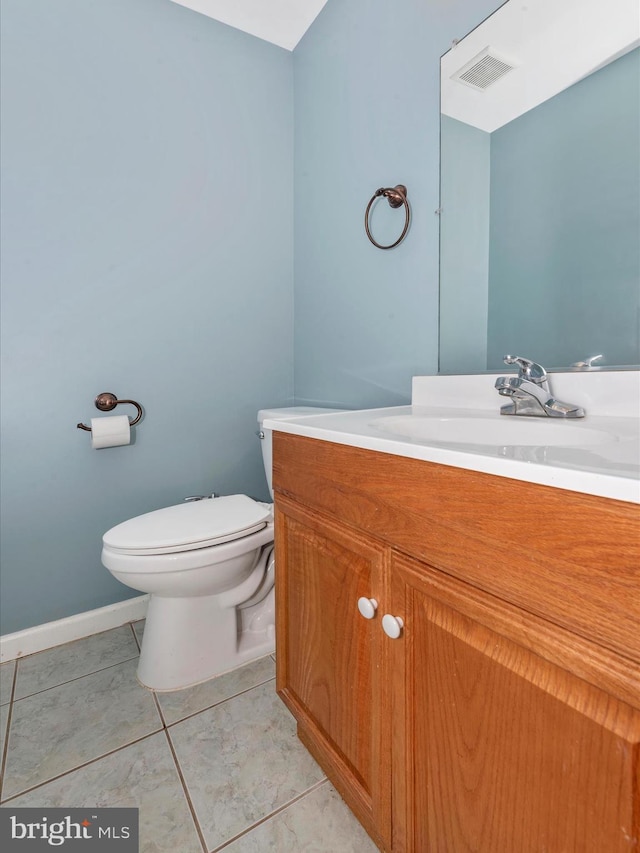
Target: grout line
159,709
5,749
83,765
135,636
185,789
220,702
153,693
58,646
71,680
272,814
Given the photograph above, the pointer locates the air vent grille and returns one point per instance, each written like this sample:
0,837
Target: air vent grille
483,70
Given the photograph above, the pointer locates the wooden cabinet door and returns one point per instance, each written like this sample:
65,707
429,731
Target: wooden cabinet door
328,657
495,748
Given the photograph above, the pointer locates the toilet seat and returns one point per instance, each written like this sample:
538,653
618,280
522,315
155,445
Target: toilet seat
188,526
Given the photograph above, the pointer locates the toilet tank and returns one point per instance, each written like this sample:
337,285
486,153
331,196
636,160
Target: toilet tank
281,414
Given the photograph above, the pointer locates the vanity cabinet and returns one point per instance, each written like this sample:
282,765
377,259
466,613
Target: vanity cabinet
506,714
330,676
497,748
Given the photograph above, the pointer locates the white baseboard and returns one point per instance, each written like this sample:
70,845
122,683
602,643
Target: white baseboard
42,637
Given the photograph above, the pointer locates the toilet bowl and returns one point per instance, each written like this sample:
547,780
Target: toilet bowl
208,566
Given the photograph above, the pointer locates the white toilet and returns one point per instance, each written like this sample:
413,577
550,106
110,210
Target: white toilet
208,565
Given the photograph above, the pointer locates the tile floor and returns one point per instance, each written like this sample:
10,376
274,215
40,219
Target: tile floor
214,767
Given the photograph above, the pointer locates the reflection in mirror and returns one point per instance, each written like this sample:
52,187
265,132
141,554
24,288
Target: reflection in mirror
540,187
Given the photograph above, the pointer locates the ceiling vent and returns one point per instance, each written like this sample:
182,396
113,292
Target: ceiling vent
483,70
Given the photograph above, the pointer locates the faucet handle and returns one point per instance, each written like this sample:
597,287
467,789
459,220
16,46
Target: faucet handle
528,369
587,364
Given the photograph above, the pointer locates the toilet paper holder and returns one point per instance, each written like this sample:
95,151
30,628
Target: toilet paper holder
106,402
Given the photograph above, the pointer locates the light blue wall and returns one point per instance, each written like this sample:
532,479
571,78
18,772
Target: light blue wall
148,221
367,114
147,250
565,220
465,179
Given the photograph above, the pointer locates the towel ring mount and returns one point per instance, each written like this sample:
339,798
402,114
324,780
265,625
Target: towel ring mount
396,196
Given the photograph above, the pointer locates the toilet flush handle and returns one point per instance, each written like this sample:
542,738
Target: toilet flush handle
200,497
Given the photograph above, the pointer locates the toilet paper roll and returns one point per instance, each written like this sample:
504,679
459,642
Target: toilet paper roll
111,431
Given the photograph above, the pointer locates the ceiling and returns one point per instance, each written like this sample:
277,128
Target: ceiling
550,44
282,22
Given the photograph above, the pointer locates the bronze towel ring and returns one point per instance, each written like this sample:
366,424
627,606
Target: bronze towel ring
105,402
396,196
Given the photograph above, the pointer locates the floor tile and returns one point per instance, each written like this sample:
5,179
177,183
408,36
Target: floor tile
4,719
242,760
6,681
320,822
72,660
141,776
181,703
58,729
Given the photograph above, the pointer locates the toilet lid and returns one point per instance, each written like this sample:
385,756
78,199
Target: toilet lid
187,526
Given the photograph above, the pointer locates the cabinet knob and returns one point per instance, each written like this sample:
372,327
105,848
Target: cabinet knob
367,607
392,626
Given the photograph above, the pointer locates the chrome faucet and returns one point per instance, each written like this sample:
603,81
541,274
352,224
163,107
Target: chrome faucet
531,394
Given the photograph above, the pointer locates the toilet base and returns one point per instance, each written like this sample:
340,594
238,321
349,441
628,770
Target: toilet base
190,640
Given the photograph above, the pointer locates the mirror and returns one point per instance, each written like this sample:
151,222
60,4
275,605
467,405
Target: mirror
540,187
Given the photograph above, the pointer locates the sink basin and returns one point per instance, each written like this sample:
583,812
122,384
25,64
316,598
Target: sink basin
498,430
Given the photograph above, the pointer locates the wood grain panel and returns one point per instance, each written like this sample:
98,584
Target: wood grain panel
570,558
500,750
328,659
596,664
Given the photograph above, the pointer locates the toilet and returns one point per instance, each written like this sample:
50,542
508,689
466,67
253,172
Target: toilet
208,566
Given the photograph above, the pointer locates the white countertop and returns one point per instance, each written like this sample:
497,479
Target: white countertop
609,469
